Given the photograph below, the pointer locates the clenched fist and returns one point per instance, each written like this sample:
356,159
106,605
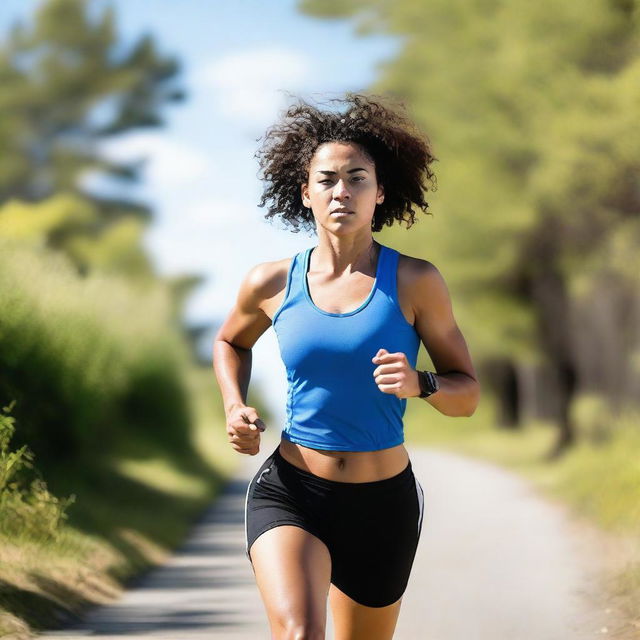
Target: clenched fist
394,374
244,428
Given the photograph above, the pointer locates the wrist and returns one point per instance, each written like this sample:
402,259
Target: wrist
418,389
428,383
228,408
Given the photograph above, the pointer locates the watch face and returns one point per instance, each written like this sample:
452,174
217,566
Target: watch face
428,383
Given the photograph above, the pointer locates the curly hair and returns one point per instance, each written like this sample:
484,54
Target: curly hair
400,153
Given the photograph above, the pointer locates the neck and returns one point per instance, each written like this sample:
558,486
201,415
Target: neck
338,254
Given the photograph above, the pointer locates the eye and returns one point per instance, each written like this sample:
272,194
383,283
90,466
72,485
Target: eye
358,178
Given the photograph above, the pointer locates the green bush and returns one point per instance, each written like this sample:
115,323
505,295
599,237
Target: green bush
88,360
27,509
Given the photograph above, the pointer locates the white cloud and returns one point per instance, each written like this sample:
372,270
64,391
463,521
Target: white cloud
249,84
170,163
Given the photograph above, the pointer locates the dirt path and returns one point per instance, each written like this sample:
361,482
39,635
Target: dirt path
495,562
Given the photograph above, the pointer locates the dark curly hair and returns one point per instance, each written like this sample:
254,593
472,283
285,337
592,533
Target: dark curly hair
389,138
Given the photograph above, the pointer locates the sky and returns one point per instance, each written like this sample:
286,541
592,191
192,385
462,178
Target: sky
242,63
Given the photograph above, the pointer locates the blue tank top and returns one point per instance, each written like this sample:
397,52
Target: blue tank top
333,401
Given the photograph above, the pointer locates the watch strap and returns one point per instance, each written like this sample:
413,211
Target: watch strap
428,383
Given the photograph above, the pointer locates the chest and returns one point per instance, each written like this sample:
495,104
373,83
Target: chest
339,295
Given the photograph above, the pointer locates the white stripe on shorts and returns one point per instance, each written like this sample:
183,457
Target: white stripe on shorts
420,493
246,528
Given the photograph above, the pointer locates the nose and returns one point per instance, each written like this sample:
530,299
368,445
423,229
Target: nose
340,191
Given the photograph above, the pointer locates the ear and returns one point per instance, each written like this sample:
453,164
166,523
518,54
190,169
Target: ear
380,196
304,193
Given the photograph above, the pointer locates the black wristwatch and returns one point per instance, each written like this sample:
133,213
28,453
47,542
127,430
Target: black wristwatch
428,383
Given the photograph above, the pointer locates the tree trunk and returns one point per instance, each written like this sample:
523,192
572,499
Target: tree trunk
501,375
554,321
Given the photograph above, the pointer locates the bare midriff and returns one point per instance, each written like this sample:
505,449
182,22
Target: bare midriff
346,466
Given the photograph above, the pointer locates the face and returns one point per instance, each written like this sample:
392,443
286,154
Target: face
341,176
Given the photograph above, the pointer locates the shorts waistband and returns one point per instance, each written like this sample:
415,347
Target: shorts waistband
385,484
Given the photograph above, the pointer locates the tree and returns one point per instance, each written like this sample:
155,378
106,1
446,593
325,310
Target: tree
69,83
531,109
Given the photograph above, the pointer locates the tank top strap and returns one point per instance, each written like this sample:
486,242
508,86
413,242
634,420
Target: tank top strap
296,269
293,291
302,259
387,274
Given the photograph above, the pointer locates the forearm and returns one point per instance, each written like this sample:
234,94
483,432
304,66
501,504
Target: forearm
232,367
458,394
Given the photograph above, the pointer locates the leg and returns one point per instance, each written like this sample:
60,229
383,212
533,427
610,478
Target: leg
353,621
293,573
373,546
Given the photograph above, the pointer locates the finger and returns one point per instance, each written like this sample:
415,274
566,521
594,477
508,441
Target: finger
393,365
387,369
379,354
252,420
249,417
243,449
243,438
256,425
244,429
387,357
387,379
389,388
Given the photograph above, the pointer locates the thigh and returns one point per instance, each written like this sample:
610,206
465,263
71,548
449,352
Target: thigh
373,541
355,621
293,572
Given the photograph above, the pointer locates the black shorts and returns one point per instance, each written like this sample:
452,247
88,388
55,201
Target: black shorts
370,528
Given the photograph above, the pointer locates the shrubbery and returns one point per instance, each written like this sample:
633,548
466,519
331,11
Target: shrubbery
89,361
27,509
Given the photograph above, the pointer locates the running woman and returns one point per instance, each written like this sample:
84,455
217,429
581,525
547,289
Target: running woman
335,510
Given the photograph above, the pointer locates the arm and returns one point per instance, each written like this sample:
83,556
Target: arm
232,345
459,391
232,358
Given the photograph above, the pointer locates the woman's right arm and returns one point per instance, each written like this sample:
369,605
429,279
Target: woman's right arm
232,357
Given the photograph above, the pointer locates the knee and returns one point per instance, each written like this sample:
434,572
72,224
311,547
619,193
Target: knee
309,630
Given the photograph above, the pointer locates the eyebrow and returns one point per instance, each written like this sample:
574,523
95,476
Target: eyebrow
328,173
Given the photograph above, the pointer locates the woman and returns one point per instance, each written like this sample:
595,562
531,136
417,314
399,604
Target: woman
336,510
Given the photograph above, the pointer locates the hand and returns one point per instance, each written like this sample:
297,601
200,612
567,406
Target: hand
395,375
244,428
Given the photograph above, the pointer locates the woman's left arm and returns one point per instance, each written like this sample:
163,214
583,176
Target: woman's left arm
459,390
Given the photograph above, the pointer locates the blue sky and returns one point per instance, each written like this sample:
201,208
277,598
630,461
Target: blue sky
201,177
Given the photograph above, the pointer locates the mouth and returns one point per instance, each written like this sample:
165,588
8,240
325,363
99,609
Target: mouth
341,212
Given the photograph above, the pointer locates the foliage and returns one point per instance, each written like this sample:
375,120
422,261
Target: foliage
27,511
532,110
100,356
69,83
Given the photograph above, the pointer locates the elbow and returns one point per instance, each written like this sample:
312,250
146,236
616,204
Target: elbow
473,401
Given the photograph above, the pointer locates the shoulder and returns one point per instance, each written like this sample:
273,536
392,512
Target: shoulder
423,282
417,271
265,280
